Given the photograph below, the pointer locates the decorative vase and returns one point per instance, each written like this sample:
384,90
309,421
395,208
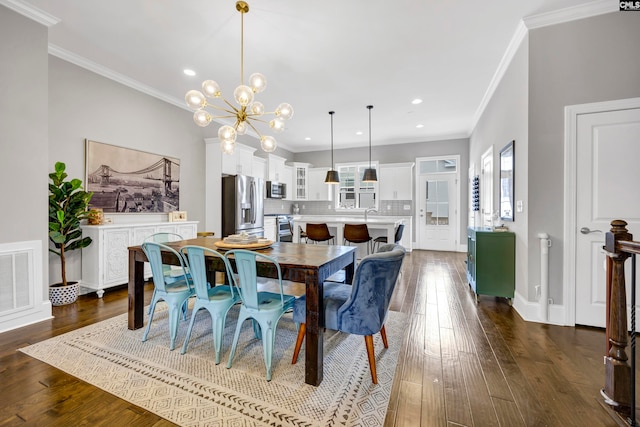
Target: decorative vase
95,217
62,295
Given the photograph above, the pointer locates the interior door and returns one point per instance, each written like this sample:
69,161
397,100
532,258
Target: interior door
438,211
608,174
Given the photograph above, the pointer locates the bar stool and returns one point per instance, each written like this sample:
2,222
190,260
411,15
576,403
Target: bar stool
357,233
319,233
383,239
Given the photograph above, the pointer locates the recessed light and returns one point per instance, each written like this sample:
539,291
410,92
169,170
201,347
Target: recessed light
189,72
359,132
420,126
416,101
307,139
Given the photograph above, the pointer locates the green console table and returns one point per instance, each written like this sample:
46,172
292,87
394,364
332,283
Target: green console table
491,262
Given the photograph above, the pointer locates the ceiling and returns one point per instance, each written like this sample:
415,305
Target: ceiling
317,55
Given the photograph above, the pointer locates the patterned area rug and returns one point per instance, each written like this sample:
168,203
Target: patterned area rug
191,390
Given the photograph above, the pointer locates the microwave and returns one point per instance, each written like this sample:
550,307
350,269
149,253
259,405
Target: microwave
276,190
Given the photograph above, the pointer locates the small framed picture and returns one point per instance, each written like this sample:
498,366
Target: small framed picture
177,216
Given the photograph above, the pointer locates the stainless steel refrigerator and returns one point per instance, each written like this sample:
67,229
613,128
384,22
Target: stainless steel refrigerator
242,205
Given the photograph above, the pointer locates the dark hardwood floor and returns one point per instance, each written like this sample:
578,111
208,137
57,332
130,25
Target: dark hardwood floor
462,363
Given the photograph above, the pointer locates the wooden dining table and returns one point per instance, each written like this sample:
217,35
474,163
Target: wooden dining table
305,263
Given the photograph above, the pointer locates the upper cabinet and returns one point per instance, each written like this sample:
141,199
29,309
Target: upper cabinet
287,180
276,168
240,162
317,189
396,181
259,168
300,181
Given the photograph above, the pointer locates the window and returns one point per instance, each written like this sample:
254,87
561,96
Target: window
352,192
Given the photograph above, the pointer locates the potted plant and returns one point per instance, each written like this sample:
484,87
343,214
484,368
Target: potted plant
68,203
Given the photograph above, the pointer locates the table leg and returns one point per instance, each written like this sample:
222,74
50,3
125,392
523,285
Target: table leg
136,292
314,355
350,269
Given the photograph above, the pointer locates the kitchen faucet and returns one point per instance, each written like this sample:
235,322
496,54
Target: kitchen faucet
366,212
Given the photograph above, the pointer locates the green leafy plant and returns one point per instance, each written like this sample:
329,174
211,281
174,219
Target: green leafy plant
68,203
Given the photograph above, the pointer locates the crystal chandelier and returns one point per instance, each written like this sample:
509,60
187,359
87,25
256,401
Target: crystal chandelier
247,110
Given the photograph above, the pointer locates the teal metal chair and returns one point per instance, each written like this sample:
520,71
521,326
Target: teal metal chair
171,272
265,308
175,293
217,300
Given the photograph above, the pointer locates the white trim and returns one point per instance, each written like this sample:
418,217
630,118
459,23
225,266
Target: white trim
560,16
572,13
530,311
31,12
571,114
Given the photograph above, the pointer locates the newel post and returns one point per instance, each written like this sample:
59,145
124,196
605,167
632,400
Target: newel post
617,371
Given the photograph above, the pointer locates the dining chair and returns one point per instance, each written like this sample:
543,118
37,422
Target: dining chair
319,233
265,308
360,308
171,272
383,239
357,233
217,299
175,293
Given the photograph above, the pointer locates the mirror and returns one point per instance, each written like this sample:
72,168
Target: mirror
507,163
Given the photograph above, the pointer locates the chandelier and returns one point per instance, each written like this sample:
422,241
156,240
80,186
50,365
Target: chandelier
246,112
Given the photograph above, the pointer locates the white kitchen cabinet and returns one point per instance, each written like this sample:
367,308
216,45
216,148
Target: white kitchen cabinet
240,162
270,228
318,190
396,181
259,168
105,262
276,168
287,179
300,188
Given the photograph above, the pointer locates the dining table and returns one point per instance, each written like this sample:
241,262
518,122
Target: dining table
310,264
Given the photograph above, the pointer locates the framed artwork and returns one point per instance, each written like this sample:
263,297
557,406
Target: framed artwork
507,166
131,181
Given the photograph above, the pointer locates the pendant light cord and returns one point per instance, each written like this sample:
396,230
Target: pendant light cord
331,113
369,107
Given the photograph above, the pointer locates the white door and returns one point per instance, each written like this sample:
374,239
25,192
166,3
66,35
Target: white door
437,202
607,179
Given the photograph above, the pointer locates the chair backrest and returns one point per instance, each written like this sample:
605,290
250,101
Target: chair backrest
164,237
153,251
246,282
398,235
356,233
195,256
375,278
318,232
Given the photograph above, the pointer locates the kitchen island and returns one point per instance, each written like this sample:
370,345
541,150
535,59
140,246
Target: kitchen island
377,224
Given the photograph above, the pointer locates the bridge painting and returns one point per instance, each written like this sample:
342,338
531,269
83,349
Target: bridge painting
124,180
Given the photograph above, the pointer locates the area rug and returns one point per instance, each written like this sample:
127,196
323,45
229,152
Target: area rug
191,390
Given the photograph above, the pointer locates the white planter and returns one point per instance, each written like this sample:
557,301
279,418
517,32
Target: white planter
61,295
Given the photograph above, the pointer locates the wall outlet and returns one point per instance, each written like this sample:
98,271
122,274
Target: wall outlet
406,207
519,206
388,207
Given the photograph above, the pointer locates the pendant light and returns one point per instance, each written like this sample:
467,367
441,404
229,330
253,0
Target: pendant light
370,174
332,175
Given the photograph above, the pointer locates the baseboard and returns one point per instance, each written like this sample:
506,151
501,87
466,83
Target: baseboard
531,312
37,314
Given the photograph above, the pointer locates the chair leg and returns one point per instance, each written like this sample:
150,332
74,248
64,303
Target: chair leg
383,333
368,339
188,337
217,324
241,318
296,351
152,309
268,341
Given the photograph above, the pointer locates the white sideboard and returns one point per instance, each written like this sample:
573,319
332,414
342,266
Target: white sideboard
105,262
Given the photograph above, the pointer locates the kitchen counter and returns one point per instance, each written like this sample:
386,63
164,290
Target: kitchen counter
377,224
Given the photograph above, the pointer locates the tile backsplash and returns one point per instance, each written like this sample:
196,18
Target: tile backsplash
386,207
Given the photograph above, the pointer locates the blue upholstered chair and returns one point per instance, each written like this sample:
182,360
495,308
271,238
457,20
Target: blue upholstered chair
217,300
265,308
360,308
175,293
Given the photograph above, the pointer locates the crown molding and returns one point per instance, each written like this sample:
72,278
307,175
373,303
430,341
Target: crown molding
31,12
85,63
560,16
573,13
